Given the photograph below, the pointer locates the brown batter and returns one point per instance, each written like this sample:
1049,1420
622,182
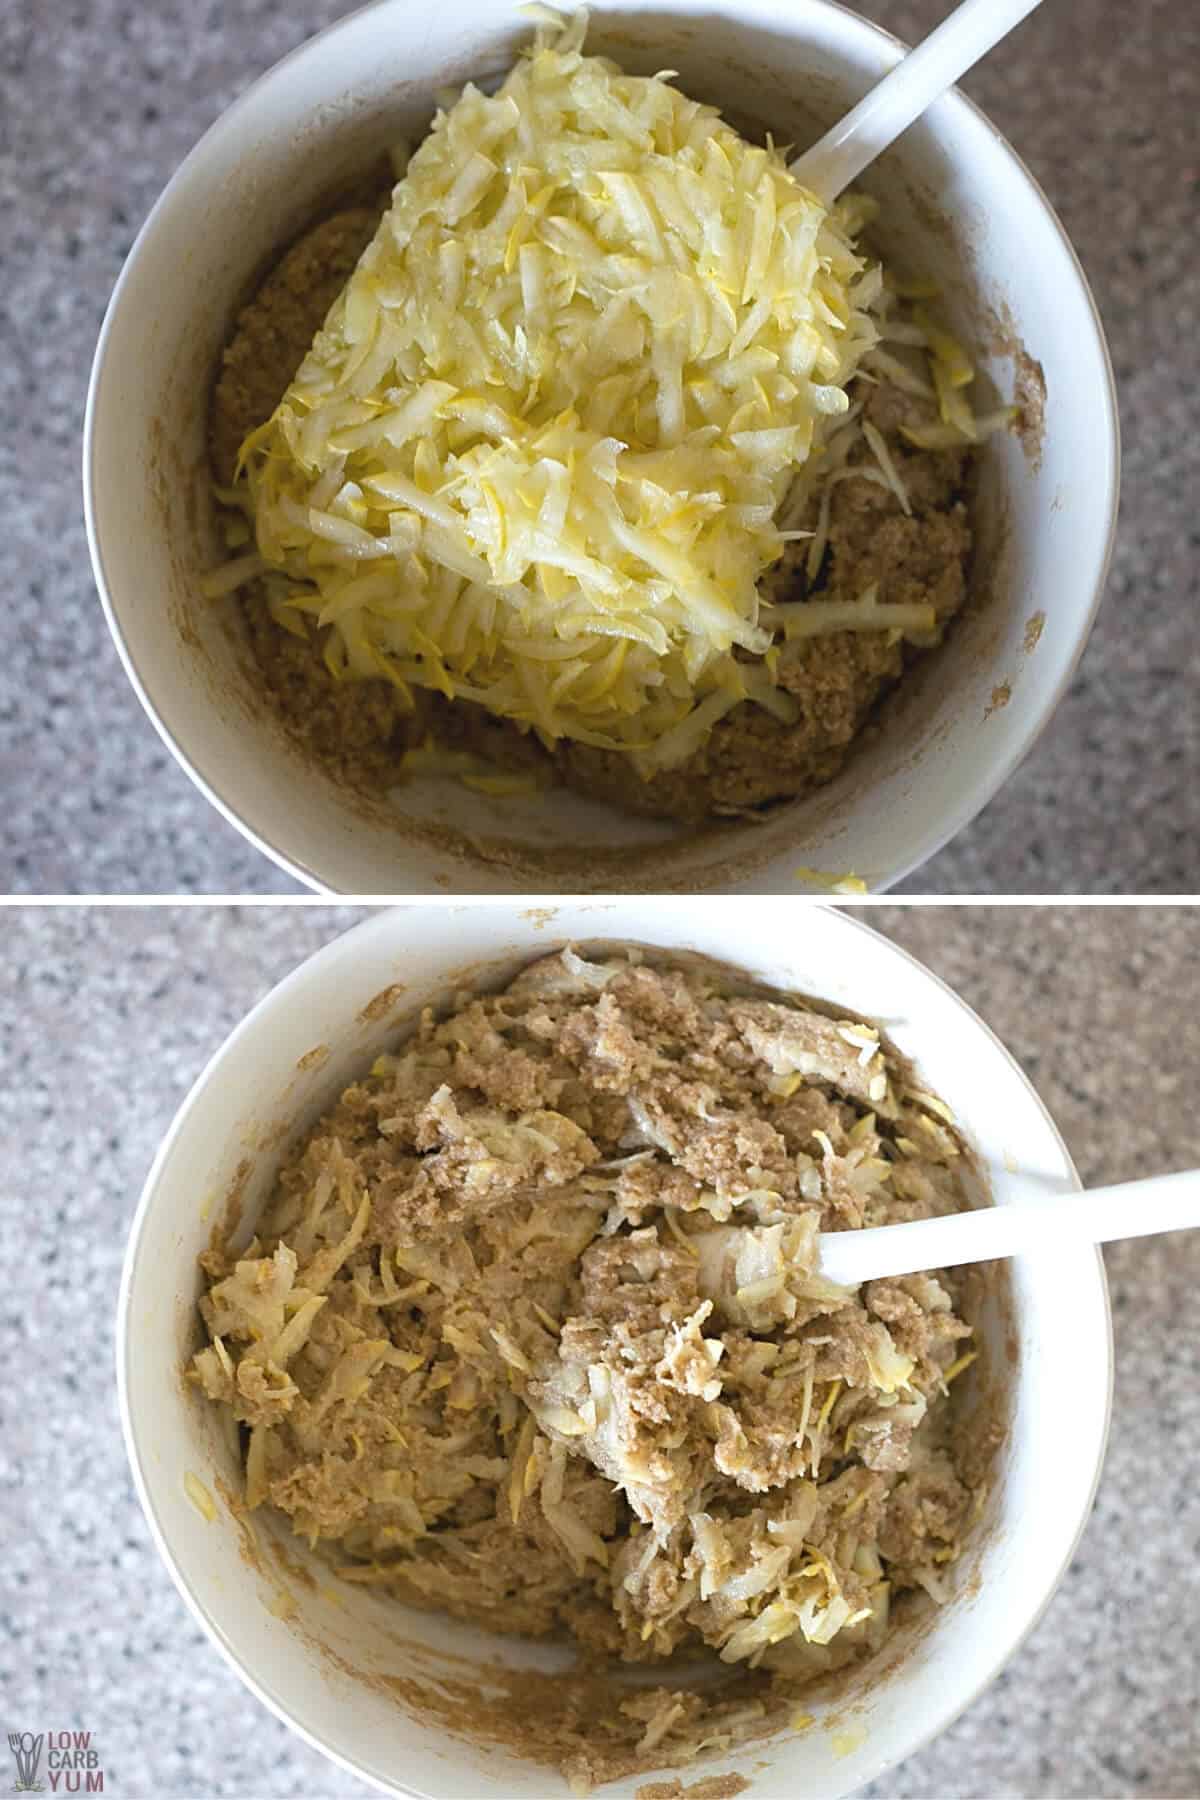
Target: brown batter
531,1333
361,729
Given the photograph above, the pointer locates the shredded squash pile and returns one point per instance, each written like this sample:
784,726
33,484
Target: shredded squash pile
535,459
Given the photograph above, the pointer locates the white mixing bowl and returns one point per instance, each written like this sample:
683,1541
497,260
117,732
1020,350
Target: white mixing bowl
956,204
320,1670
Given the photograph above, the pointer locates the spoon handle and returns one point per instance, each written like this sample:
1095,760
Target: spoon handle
891,106
1132,1209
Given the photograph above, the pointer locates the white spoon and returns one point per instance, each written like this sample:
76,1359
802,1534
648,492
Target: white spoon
902,96
1133,1209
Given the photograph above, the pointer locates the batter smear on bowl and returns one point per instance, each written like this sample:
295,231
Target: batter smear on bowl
530,1332
614,459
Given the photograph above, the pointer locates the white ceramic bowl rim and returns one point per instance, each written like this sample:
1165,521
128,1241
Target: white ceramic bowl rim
927,841
349,944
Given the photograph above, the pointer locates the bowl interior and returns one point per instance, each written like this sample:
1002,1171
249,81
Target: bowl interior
365,1679
955,205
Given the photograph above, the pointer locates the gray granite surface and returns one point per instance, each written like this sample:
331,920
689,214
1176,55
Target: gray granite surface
99,102
105,1020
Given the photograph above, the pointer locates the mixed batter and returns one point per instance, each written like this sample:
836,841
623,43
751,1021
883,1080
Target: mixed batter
531,1333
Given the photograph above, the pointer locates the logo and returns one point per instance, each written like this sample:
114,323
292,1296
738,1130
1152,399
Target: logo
27,1752
72,1762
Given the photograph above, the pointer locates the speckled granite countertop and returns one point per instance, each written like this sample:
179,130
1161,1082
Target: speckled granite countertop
101,99
112,1015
